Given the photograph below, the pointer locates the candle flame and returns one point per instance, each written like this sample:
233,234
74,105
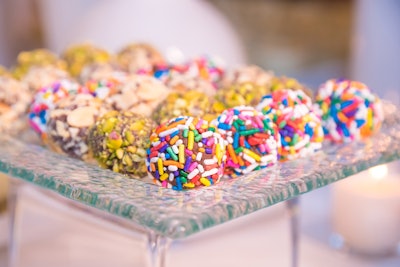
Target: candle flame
378,172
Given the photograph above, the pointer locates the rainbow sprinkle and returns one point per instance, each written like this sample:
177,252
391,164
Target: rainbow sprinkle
252,139
349,110
299,126
185,153
45,100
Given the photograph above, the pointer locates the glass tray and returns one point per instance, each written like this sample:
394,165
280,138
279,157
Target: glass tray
177,214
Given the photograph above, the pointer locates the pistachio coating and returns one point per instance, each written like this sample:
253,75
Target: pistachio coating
245,94
81,55
283,82
190,103
119,141
38,57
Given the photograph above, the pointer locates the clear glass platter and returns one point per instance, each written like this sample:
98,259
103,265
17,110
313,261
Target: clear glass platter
178,214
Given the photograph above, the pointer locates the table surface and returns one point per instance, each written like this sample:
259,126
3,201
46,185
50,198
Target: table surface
177,214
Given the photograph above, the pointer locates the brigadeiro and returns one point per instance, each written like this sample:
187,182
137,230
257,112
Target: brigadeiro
69,122
248,74
40,76
119,141
139,58
14,101
350,111
100,71
252,139
81,55
186,152
138,93
299,125
45,100
191,103
36,58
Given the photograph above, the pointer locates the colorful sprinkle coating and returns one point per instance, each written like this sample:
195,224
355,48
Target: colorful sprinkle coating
350,111
252,139
81,55
185,153
102,89
119,141
139,58
207,68
203,74
180,81
45,99
299,126
190,103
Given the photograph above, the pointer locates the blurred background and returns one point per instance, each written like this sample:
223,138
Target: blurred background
309,40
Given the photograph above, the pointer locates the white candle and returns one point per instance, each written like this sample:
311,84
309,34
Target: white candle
366,211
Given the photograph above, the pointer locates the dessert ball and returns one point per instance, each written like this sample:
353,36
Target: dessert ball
4,72
38,57
45,100
350,111
298,124
186,152
252,139
140,58
283,82
102,71
179,80
14,102
140,94
190,103
248,74
245,94
81,55
69,122
119,141
208,68
41,76
102,89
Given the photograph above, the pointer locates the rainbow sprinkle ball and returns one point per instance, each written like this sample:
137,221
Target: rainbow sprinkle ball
299,125
350,111
186,152
252,139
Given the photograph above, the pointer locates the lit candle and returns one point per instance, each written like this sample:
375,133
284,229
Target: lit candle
366,211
